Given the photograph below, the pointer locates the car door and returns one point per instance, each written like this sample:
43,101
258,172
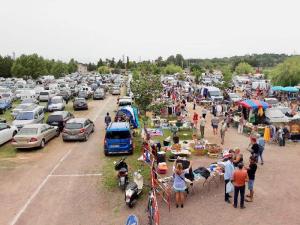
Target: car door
44,133
41,115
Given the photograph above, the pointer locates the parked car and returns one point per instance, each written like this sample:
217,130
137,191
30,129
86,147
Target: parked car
46,95
115,90
59,119
34,135
233,97
7,132
118,139
83,94
21,107
99,94
56,103
5,104
80,103
30,100
78,129
32,115
65,94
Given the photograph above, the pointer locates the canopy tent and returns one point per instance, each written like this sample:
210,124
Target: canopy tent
131,113
277,88
254,104
290,89
285,89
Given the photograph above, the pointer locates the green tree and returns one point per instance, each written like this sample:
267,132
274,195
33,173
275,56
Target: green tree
59,69
72,66
91,67
287,73
100,63
29,65
146,89
104,70
179,60
227,73
243,68
6,63
172,69
120,64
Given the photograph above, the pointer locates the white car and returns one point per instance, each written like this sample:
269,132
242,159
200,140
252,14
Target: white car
234,97
7,132
56,103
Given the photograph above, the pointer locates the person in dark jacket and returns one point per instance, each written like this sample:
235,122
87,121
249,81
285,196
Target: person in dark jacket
251,170
107,119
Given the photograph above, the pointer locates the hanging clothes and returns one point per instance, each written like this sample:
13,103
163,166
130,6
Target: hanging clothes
267,134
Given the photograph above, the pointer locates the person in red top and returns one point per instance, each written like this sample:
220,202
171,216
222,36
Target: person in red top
195,119
240,177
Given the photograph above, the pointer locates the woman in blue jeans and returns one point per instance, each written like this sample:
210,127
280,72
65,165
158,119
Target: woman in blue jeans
179,183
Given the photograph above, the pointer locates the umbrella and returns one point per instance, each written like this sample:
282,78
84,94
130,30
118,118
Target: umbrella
254,104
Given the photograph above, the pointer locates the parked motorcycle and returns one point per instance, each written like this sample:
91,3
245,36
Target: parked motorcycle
134,189
122,168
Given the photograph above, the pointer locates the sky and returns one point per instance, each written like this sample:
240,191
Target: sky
145,29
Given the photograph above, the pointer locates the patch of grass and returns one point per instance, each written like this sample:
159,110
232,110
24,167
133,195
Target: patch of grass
183,134
110,181
7,151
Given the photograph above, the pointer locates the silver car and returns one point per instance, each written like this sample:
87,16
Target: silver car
78,129
34,135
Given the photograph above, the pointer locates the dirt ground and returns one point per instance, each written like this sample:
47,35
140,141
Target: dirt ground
61,185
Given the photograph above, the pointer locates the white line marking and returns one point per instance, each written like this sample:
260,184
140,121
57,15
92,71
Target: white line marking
76,175
35,193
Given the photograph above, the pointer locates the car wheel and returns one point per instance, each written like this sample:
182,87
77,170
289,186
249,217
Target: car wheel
93,130
57,133
86,137
42,145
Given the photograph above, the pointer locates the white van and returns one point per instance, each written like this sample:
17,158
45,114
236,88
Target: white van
213,93
27,94
46,95
29,116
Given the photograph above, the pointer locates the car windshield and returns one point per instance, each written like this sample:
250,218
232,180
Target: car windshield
74,125
25,116
55,118
55,101
2,101
44,93
118,134
233,95
3,126
28,131
79,101
214,93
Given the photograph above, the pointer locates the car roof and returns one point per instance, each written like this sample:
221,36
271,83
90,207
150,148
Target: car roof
77,120
58,113
118,126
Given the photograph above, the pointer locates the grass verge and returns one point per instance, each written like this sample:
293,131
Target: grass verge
7,151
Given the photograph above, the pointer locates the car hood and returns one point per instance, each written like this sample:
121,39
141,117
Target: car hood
21,122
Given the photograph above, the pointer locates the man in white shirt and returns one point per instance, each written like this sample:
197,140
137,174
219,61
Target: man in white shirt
228,175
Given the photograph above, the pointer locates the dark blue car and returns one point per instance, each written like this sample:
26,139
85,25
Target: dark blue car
4,105
118,139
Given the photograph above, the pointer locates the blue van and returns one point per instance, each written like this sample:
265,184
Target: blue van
118,139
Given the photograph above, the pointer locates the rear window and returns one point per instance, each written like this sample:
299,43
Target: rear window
55,118
44,93
74,125
118,134
28,131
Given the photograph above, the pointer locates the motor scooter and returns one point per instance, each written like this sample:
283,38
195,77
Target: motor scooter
134,189
122,168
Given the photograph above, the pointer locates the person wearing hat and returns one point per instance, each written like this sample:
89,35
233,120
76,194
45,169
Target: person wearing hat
240,177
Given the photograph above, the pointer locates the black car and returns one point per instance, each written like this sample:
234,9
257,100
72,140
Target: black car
59,119
65,94
80,103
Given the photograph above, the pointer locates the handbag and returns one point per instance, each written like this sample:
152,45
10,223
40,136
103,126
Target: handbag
229,187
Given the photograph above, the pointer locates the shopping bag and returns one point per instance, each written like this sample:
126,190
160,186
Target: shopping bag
229,187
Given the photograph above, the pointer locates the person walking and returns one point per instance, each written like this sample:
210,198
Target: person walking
261,144
222,131
202,126
241,124
214,124
204,112
107,119
251,170
228,175
240,177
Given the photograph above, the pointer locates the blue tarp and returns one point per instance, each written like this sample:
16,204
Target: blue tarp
290,89
254,104
277,88
131,112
